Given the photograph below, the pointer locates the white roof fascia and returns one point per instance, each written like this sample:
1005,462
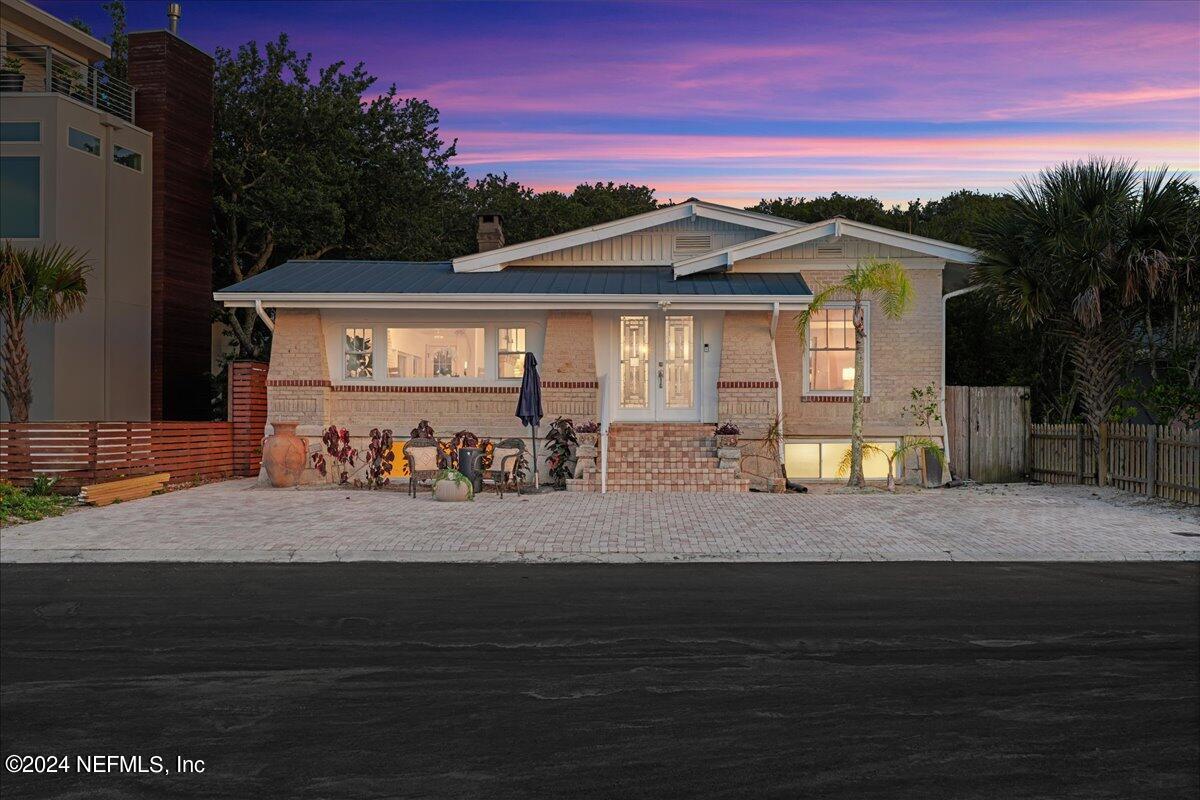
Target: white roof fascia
819,230
495,260
520,301
755,247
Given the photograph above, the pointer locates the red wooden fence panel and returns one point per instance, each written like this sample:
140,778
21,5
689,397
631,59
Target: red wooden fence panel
247,399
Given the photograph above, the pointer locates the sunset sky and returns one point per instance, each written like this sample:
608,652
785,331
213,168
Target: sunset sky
732,103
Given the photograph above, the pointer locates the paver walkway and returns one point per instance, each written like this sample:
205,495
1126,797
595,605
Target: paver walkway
239,521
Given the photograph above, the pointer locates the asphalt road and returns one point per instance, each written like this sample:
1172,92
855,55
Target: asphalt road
511,681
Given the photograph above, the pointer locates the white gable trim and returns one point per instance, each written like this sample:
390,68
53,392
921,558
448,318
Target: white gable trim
495,260
724,259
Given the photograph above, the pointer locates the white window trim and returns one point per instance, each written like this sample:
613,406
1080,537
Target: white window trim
491,341
346,352
498,352
898,468
810,392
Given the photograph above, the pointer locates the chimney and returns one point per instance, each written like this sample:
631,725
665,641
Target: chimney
489,235
174,11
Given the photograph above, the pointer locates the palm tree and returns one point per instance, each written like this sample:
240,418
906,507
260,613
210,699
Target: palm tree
889,284
1089,249
897,453
44,284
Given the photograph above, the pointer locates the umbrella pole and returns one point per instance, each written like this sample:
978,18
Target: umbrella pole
535,468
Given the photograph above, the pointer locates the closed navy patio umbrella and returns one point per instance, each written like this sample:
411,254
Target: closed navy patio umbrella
529,404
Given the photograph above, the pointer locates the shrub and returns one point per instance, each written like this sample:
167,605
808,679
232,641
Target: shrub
727,428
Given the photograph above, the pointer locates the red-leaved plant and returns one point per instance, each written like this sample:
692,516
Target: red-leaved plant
379,458
341,454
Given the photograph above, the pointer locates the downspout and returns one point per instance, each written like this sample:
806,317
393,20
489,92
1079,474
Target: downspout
778,382
262,314
942,392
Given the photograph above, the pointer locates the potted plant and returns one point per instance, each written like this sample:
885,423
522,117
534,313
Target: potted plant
727,434
924,411
11,77
451,486
560,450
588,433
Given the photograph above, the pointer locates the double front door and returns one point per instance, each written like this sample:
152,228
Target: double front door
657,368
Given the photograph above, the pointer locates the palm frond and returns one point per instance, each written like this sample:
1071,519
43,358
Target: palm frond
889,282
844,465
820,299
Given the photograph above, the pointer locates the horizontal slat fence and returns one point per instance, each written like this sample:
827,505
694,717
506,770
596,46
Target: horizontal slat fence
79,453
1155,460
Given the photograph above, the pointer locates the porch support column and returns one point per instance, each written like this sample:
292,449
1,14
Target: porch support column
568,367
748,387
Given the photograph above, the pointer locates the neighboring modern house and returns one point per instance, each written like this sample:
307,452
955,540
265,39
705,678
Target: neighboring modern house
122,172
652,324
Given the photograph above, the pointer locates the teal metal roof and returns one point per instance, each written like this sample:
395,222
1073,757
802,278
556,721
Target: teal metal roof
439,277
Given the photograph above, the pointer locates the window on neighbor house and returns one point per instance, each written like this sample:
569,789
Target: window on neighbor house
20,197
359,357
127,158
510,348
831,350
820,460
20,131
435,353
81,140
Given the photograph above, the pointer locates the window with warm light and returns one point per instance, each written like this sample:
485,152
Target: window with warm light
359,357
831,350
821,460
454,353
510,350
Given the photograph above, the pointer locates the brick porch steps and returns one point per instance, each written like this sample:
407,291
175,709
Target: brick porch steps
663,457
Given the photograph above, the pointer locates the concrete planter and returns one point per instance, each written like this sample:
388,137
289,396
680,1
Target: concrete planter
449,490
726,440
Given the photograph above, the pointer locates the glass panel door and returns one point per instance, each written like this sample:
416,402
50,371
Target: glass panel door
635,362
678,374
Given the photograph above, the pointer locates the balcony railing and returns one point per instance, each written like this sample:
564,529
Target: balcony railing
35,68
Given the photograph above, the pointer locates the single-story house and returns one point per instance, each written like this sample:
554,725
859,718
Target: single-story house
655,326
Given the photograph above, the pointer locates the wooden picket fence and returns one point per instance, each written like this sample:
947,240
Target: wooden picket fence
1155,460
79,453
989,432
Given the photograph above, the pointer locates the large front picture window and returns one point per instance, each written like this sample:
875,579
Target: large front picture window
435,353
831,350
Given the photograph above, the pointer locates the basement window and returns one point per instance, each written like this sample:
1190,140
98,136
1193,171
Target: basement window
819,461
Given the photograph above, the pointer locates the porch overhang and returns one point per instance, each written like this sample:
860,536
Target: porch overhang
525,302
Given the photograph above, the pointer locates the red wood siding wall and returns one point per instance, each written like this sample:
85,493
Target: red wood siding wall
175,103
79,453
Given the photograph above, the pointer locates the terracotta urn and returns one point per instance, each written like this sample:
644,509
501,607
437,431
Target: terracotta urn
284,455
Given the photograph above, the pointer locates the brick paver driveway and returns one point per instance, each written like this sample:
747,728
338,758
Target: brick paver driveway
237,521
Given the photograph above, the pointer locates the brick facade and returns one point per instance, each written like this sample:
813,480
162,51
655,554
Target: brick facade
904,353
568,367
746,390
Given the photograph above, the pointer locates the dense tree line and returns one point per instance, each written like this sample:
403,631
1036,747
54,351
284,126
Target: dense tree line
319,163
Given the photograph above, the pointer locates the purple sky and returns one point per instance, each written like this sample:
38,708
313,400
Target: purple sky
733,102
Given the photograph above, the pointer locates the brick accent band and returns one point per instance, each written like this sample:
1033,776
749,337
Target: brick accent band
374,387
835,398
747,384
297,382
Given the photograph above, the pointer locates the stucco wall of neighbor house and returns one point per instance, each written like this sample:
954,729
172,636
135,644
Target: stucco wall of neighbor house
746,389
904,353
102,209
